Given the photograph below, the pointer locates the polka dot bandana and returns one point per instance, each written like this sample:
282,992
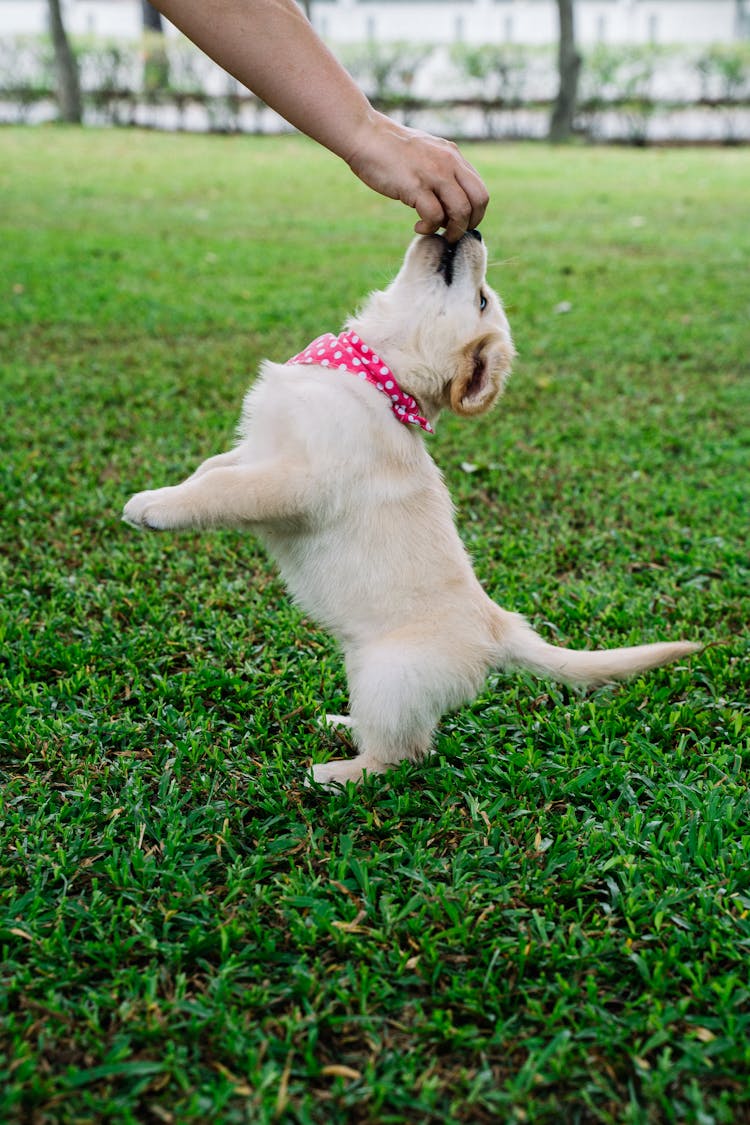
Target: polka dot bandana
348,353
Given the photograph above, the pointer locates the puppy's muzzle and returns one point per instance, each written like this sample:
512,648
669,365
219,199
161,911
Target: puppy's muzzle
450,252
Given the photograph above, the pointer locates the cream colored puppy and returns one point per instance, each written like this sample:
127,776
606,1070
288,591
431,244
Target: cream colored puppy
332,473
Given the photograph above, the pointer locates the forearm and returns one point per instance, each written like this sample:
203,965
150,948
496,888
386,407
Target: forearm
270,47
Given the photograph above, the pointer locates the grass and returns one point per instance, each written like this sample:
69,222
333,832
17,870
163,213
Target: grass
547,923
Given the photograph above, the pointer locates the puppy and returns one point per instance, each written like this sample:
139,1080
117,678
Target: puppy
331,472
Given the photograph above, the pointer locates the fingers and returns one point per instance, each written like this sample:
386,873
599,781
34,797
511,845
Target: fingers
455,211
431,213
458,202
423,171
473,186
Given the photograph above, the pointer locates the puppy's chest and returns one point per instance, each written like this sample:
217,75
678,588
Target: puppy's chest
366,540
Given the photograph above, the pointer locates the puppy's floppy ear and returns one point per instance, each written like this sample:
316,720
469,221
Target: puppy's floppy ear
482,367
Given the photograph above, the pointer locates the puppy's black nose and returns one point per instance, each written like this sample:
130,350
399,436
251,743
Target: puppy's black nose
475,234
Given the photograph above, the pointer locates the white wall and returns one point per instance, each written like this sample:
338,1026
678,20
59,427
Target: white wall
433,21
108,18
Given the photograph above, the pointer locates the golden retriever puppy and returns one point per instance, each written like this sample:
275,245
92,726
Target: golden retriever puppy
332,473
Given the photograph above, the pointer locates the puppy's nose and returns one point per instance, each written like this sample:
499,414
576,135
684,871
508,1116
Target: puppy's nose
475,234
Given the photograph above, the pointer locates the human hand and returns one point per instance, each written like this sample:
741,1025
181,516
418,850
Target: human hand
424,172
271,47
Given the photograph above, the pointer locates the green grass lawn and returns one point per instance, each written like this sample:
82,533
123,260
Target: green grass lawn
550,920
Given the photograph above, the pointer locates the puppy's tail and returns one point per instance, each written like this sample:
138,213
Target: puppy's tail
520,647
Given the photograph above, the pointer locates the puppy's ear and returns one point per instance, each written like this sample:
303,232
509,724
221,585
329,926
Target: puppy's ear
482,369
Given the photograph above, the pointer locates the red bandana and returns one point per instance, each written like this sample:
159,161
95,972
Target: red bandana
347,352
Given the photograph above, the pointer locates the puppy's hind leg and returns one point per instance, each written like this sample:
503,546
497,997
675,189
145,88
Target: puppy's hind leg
395,703
379,751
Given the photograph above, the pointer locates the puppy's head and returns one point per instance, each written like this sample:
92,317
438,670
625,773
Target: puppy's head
441,328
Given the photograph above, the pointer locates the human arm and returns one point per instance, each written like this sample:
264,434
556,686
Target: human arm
270,46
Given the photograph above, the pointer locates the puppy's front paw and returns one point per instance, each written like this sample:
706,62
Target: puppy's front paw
135,508
150,509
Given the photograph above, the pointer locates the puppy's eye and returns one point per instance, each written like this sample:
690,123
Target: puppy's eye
482,302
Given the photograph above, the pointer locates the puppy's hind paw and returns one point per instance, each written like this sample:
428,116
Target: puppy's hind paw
335,774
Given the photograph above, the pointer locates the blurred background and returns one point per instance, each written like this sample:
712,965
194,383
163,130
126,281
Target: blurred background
633,71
